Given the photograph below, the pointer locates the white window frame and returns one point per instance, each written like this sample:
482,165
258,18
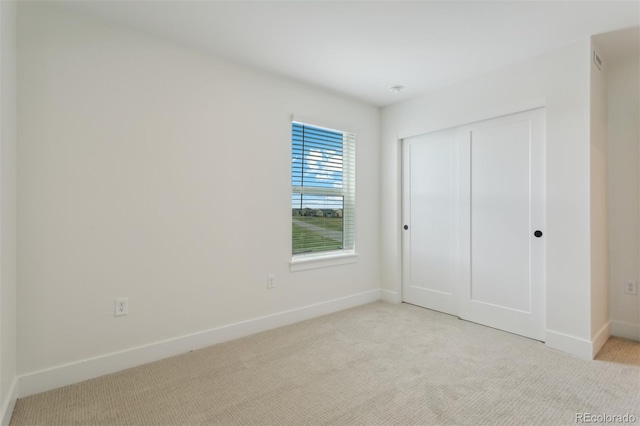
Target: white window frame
300,262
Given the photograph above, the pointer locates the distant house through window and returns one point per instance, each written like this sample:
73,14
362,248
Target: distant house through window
323,190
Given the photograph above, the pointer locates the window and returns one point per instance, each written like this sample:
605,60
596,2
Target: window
322,190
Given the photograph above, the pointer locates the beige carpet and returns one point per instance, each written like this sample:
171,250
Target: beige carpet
375,364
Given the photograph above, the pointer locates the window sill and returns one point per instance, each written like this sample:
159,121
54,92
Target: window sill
304,262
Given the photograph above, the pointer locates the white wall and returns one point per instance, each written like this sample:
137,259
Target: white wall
162,174
562,78
623,190
599,234
8,346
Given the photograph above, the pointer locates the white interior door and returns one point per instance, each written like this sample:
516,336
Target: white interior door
473,199
502,259
429,213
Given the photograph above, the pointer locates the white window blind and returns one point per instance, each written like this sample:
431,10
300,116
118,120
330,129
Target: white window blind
323,189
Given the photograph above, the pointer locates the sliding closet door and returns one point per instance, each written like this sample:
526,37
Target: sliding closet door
502,224
473,218
429,220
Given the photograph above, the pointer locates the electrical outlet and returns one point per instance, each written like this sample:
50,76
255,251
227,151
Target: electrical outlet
122,306
271,281
630,287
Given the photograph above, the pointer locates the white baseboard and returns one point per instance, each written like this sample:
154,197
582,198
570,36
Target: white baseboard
600,339
570,344
390,296
626,330
9,403
62,375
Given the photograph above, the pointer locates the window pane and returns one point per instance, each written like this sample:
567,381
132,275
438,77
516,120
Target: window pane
316,157
317,223
323,189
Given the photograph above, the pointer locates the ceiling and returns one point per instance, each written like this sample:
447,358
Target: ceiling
361,48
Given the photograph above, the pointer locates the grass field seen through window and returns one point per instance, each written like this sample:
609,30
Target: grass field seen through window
314,234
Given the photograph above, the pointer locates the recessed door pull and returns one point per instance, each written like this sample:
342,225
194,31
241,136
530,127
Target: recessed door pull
538,234
406,227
